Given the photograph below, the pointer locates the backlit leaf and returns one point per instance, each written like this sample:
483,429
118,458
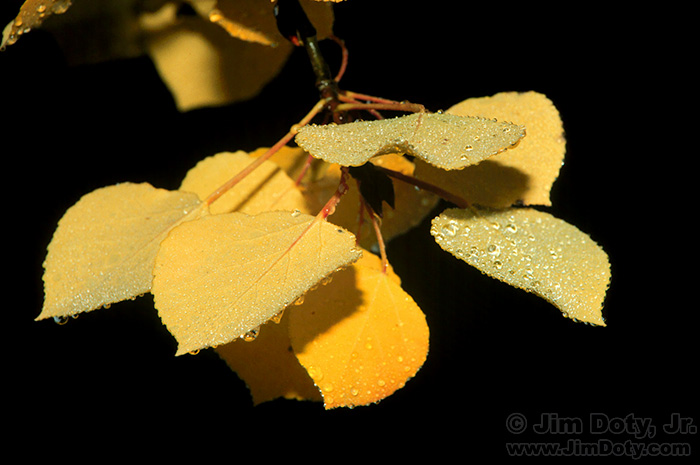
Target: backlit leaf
531,250
202,65
224,275
105,246
446,141
268,188
361,337
268,365
524,174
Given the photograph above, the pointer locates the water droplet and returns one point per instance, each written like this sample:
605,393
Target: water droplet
60,320
296,213
328,388
469,148
450,229
251,335
381,382
299,301
493,250
193,352
278,317
315,373
354,391
498,265
511,228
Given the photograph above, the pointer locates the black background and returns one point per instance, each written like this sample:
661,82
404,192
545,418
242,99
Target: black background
110,375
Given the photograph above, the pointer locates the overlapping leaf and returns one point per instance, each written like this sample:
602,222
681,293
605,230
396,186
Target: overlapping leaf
224,275
268,188
268,366
105,245
446,141
361,337
531,250
524,174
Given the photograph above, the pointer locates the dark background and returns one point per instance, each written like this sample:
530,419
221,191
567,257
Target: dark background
111,374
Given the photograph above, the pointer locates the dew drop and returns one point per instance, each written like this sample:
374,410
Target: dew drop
469,148
450,229
299,301
498,265
296,213
277,317
354,391
193,352
60,320
251,335
511,228
315,373
381,382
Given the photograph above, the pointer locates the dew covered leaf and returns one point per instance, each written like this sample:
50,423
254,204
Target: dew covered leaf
524,174
531,250
31,15
267,188
268,366
224,275
360,337
447,141
104,247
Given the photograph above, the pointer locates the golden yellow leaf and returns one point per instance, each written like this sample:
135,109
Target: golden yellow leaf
105,246
224,275
202,65
531,250
361,337
446,141
31,15
292,160
524,174
268,188
268,365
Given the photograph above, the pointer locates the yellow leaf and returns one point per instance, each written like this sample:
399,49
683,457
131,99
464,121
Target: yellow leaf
105,246
202,65
446,141
267,188
268,365
361,337
524,174
292,161
31,15
222,276
531,250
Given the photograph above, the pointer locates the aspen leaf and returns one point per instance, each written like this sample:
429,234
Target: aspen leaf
224,275
268,365
31,15
293,160
105,246
361,337
531,250
524,174
446,141
267,188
